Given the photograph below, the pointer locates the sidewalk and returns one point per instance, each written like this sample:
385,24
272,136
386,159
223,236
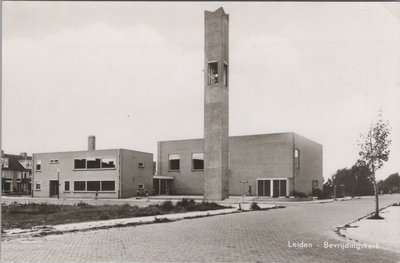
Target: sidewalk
56,229
146,201
385,233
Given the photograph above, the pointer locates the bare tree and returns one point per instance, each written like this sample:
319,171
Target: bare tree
374,151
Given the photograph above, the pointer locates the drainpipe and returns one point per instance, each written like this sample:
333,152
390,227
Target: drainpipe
119,174
294,168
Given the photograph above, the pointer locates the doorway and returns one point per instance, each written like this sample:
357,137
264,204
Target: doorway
272,187
54,188
162,186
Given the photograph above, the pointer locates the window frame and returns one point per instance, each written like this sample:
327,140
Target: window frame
38,183
101,186
169,162
212,76
81,160
75,190
5,162
38,162
85,161
225,77
141,165
67,183
92,182
296,164
197,169
95,160
114,161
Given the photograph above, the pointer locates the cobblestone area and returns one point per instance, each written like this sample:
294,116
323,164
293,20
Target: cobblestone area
244,237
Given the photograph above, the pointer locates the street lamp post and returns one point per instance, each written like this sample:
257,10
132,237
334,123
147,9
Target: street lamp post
334,186
244,182
58,183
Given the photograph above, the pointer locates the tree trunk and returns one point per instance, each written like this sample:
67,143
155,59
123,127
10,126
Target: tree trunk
376,198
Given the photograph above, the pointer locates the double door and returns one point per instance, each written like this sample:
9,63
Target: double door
272,187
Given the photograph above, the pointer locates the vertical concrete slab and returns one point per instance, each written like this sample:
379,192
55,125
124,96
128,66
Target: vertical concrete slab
216,106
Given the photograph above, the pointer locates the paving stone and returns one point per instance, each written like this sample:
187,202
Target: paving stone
260,236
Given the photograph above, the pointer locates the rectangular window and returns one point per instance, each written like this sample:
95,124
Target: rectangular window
66,186
140,186
80,164
53,161
212,73
93,185
297,159
315,184
79,186
38,165
107,163
107,185
197,161
141,165
5,162
174,162
225,76
93,163
37,185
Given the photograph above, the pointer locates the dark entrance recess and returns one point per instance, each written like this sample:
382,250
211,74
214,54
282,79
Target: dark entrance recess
264,187
53,188
282,188
276,188
162,186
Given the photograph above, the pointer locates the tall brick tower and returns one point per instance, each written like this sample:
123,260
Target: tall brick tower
216,106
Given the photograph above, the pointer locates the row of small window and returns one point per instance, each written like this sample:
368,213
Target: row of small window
89,163
88,186
174,161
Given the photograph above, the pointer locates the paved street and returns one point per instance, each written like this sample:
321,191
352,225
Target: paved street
244,237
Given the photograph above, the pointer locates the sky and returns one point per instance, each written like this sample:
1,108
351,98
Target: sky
130,73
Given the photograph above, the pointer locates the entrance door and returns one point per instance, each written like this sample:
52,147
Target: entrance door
275,188
282,189
264,187
156,187
54,188
260,187
163,189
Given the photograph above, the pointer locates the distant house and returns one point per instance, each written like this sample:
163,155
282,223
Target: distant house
112,173
16,173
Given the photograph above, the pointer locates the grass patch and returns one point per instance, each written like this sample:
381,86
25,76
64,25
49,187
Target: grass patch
29,215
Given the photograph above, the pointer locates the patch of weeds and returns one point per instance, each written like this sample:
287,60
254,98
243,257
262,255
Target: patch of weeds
82,204
254,206
162,220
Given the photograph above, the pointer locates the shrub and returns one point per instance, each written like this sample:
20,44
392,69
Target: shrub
322,194
82,204
42,208
254,206
105,217
167,206
298,194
